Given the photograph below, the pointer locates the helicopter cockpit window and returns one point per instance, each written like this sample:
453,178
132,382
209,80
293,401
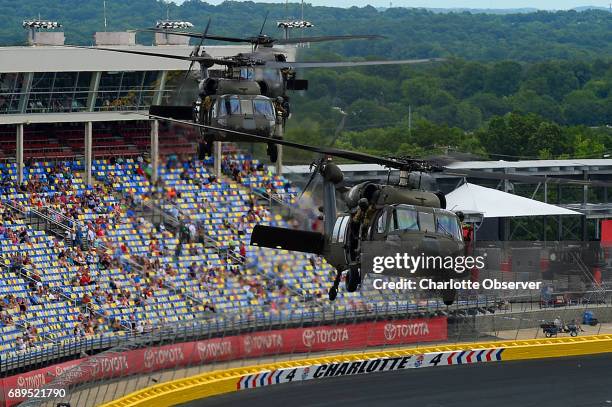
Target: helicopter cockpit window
221,107
234,105
246,73
228,105
447,224
381,223
264,107
405,219
426,222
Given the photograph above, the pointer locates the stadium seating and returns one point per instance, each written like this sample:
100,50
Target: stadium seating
132,273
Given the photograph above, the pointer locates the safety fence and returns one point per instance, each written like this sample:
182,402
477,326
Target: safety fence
227,324
188,349
519,313
144,358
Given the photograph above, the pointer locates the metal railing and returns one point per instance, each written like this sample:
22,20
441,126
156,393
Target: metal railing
41,220
466,322
310,314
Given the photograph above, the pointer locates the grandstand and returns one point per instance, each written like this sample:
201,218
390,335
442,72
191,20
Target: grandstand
108,272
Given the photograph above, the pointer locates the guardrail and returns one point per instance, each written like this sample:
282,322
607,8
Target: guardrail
142,356
218,382
216,343
223,325
464,313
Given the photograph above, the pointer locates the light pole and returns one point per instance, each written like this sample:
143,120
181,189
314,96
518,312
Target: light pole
34,25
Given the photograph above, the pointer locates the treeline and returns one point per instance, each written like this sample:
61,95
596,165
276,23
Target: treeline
514,85
509,137
464,94
498,109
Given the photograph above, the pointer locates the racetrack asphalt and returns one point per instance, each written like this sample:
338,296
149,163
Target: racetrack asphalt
562,382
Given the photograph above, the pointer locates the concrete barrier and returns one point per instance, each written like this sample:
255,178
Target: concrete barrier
225,381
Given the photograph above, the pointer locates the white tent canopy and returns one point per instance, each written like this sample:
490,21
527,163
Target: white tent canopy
493,203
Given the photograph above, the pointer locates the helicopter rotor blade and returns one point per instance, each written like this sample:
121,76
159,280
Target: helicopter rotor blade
264,22
327,38
194,53
257,40
205,60
313,175
348,64
397,163
349,155
134,52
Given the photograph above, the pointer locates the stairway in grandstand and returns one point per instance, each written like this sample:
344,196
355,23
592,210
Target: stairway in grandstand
41,219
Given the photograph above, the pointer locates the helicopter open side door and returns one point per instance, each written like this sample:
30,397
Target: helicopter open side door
338,254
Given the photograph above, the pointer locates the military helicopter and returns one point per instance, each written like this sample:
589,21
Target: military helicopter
381,218
250,95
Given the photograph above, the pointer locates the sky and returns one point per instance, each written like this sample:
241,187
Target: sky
497,4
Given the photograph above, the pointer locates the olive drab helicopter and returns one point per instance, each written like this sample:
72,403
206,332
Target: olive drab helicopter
409,216
406,217
250,95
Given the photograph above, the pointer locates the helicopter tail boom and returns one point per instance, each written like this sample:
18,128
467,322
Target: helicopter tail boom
172,112
288,239
297,84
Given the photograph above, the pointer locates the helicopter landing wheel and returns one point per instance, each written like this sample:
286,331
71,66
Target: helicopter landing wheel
272,151
448,296
333,290
353,279
333,293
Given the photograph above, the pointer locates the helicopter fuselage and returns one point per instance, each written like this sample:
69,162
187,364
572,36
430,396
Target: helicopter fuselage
237,105
254,114
396,230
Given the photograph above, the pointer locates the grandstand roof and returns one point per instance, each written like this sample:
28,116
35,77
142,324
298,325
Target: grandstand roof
476,165
67,59
492,203
531,163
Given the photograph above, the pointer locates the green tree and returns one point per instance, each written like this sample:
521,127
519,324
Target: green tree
528,101
583,107
503,78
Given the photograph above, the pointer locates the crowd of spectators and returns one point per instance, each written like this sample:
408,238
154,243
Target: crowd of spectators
89,246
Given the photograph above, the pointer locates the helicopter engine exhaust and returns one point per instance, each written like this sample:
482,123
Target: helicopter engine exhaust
332,173
288,239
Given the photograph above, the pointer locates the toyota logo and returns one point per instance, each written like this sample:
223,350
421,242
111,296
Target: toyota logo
308,337
390,332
